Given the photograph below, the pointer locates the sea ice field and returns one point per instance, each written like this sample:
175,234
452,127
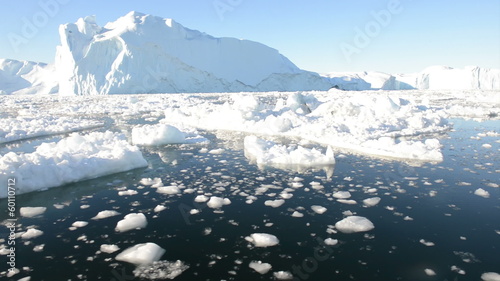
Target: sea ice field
320,185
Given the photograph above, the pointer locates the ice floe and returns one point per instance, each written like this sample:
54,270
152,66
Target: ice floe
144,253
74,158
481,192
260,267
490,276
217,202
370,202
160,270
268,153
262,239
354,224
30,212
105,214
109,248
131,221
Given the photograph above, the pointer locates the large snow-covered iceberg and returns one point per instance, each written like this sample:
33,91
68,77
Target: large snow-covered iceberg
26,77
141,53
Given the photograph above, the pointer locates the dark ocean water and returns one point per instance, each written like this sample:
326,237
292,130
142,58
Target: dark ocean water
430,201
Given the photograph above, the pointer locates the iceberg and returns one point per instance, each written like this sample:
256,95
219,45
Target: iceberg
141,53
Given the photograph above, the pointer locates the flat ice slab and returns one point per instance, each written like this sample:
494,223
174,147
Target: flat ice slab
72,159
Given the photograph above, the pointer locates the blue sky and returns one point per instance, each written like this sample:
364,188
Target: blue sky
393,36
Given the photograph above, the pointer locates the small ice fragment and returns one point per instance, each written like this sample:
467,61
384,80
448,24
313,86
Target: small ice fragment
347,201
79,224
481,192
318,209
217,202
370,202
105,214
29,212
201,199
131,221
354,224
260,267
427,243
144,253
283,275
430,272
127,192
216,151
262,239
297,214
342,194
170,190
486,145
458,270
331,242
274,203
109,248
160,270
159,208
31,233
490,276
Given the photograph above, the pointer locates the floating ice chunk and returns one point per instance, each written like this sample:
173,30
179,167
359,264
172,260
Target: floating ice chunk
72,159
283,275
427,243
217,151
430,272
127,192
296,214
159,134
109,248
458,270
139,254
342,194
105,214
132,221
262,239
318,209
29,212
260,267
481,192
159,208
354,224
150,181
31,233
490,276
160,270
267,153
274,203
370,202
79,224
486,145
331,242
346,201
170,190
217,202
201,198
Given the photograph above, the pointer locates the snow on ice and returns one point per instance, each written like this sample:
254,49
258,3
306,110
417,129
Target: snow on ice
74,158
